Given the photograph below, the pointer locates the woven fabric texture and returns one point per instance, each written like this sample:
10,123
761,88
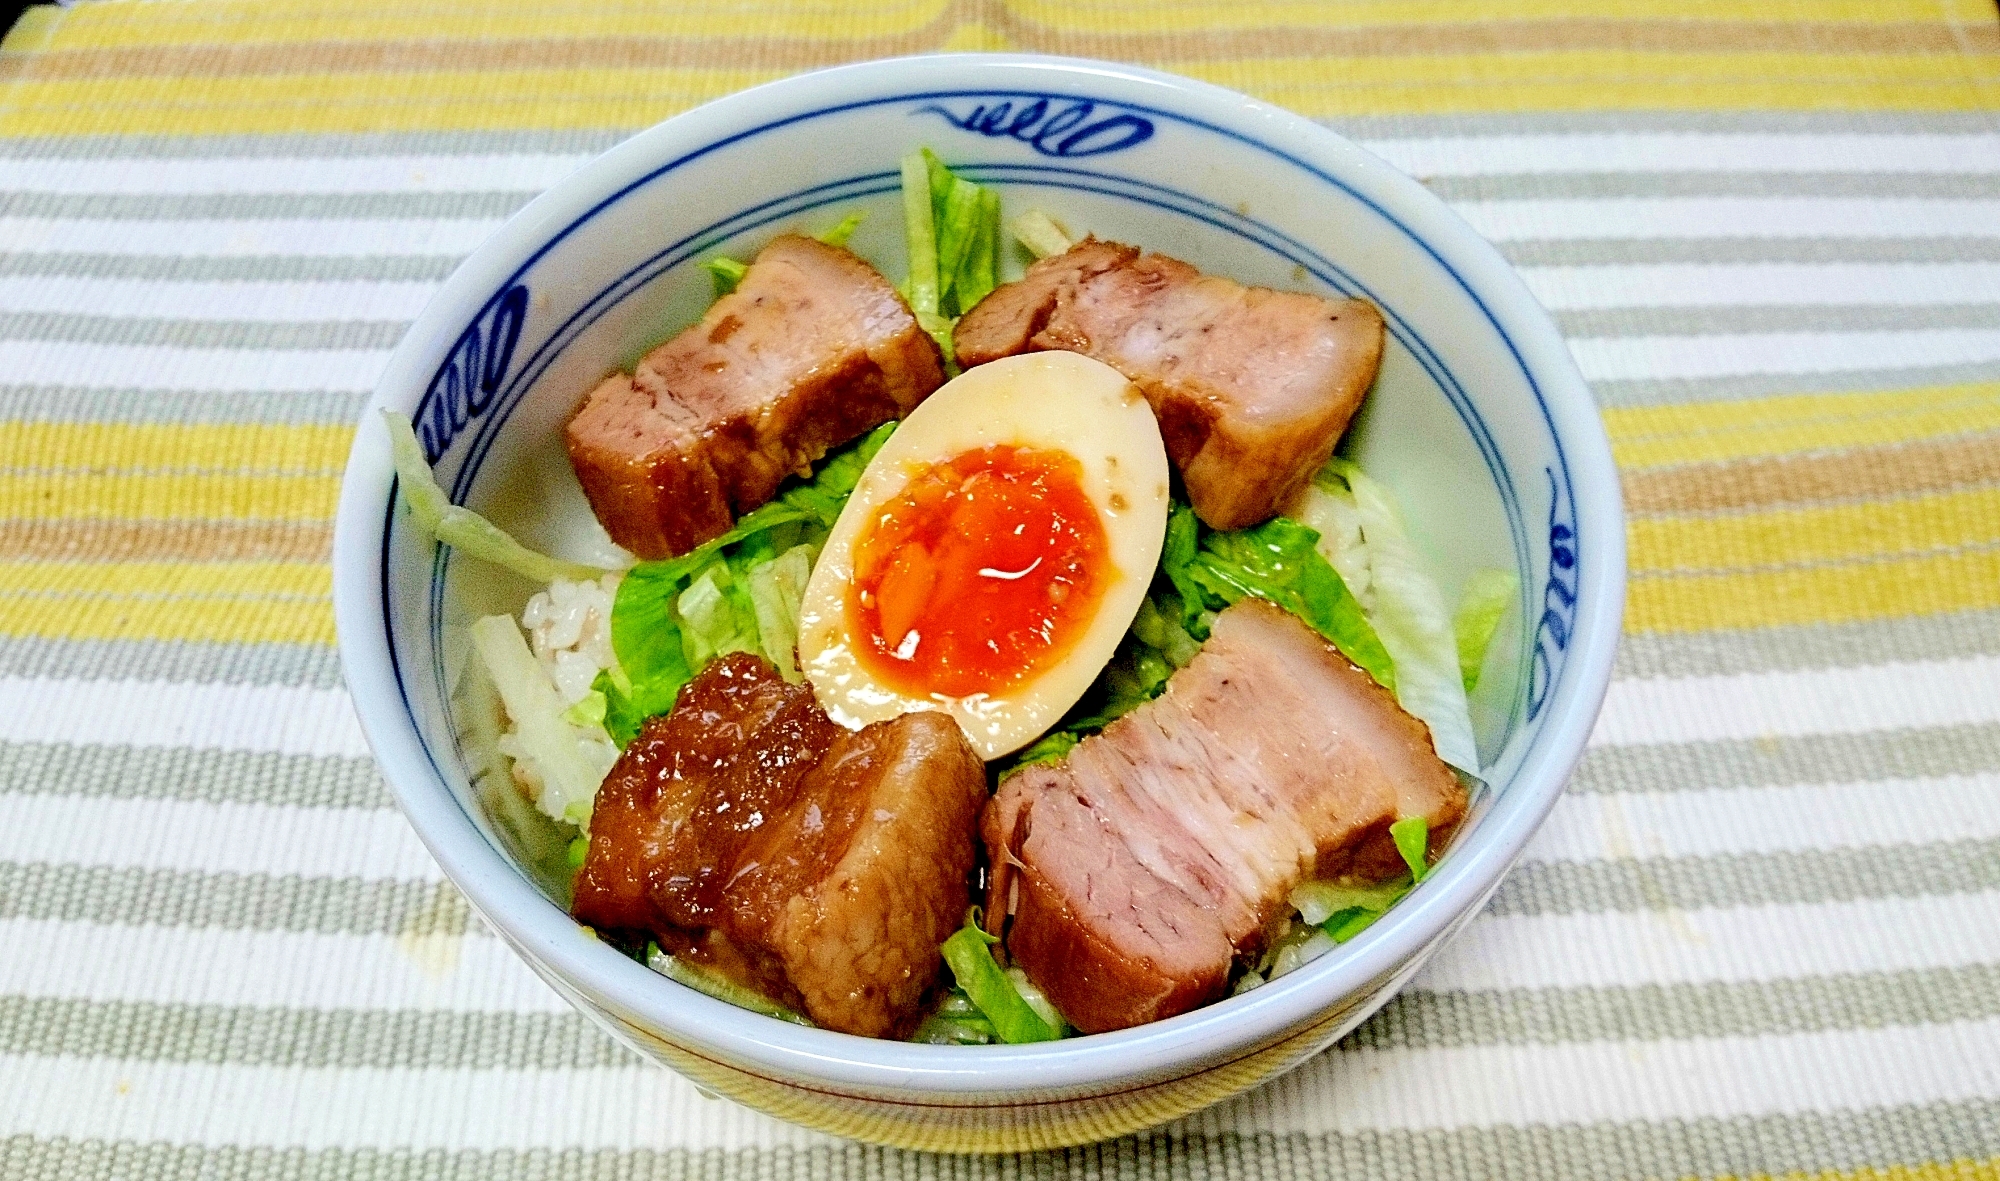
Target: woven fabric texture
1759,935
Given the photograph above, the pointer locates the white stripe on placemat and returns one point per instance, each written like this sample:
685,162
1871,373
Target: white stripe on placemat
1817,701
214,838
1769,819
289,174
289,969
249,300
1690,152
284,719
1737,943
165,367
306,236
1730,217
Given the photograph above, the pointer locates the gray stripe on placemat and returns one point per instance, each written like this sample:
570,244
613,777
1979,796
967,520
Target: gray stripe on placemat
231,901
1367,127
1605,252
306,145
1360,127
152,331
262,268
190,898
1914,638
1697,1147
1787,877
190,775
304,1038
1663,1012
51,403
415,206
1624,392
311,665
1611,186
406,1039
1791,760
1736,320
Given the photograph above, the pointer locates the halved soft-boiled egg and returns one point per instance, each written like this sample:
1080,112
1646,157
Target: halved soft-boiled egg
993,553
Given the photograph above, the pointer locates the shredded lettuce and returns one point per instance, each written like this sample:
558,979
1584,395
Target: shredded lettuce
838,234
1344,911
739,592
1040,233
920,235
727,273
1412,835
1278,561
720,987
1317,902
1481,606
955,1022
569,774
1365,538
1014,1018
952,232
459,527
777,590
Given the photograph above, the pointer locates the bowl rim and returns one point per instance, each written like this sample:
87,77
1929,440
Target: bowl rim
958,1076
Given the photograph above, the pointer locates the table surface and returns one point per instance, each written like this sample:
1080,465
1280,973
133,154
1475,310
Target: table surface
1760,934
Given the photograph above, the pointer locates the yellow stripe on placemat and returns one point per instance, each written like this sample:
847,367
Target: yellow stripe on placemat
230,602
360,102
1209,15
92,496
1809,536
118,25
1788,598
1607,80
1963,1169
1709,432
227,22
302,449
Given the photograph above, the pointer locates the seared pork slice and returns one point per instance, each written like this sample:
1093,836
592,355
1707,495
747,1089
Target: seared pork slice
1252,387
813,348
822,867
1142,865
854,887
690,789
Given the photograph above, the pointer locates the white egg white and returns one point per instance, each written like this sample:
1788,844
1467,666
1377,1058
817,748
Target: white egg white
1052,401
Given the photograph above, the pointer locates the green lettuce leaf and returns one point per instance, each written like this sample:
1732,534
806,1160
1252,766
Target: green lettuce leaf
432,511
1412,835
734,593
969,955
727,273
1278,561
1363,536
840,233
1481,606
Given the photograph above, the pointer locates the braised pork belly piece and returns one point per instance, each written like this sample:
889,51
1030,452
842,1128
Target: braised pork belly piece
1252,387
1159,852
812,349
819,866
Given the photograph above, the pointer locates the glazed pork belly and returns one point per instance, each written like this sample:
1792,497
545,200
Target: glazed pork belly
1252,387
822,867
813,348
1143,865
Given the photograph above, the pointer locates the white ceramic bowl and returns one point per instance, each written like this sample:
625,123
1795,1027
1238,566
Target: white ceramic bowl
1480,422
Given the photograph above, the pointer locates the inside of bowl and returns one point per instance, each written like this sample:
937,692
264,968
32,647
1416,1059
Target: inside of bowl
1445,427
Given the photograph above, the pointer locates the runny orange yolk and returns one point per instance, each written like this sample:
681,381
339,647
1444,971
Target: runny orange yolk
986,568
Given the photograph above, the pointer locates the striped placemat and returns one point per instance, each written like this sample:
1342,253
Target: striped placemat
1761,935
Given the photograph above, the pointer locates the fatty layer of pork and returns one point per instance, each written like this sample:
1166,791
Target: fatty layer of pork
1141,866
813,348
1252,387
819,866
